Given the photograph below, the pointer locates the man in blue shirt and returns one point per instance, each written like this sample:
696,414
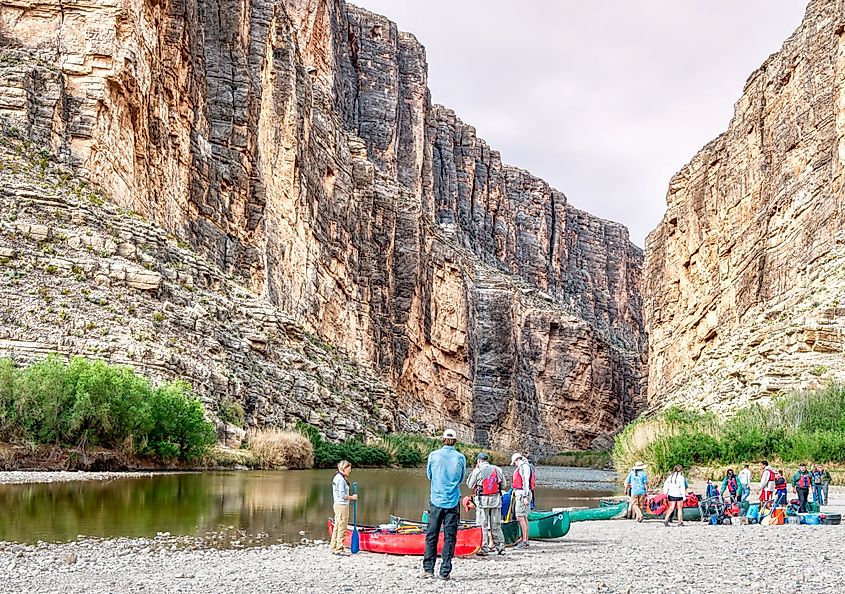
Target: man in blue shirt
446,470
636,484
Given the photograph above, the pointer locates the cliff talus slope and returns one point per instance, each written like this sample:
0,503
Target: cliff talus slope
293,144
744,276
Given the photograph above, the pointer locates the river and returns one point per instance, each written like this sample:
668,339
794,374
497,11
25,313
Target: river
243,508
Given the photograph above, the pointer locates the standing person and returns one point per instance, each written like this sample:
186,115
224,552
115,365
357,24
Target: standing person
636,484
487,482
767,482
731,486
780,490
818,475
341,496
523,487
825,483
745,482
446,470
675,489
801,482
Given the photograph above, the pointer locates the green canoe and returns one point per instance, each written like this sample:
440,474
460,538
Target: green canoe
546,524
605,512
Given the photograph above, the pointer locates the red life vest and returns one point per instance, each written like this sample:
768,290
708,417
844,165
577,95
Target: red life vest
517,478
732,485
658,504
490,485
804,481
780,484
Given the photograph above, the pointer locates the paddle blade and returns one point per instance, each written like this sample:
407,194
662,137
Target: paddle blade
355,545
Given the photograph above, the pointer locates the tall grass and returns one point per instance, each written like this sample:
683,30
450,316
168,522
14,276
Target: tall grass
275,448
90,403
794,428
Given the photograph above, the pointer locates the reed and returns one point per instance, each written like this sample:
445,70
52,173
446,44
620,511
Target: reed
274,448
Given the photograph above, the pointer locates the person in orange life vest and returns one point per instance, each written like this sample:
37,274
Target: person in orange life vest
523,486
802,481
780,489
731,488
767,482
487,482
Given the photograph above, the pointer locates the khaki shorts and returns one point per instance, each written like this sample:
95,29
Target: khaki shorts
523,506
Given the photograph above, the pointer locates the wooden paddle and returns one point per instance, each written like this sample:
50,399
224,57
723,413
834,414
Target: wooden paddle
355,545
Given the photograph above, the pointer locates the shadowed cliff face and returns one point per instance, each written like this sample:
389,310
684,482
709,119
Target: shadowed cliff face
743,277
295,145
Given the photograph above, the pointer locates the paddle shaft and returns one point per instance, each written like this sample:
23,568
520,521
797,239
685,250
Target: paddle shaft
354,545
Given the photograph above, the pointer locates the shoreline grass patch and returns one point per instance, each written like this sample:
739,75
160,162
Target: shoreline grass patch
802,427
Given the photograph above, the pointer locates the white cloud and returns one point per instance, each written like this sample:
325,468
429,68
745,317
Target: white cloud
604,100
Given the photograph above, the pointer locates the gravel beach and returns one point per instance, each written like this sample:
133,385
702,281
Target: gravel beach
606,557
20,477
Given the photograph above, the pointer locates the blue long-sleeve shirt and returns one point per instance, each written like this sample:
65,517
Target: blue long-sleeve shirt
446,470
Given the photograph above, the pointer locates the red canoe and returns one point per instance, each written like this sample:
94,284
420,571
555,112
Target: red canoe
378,540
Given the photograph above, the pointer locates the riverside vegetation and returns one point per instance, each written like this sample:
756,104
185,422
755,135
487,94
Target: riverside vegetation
807,427
87,404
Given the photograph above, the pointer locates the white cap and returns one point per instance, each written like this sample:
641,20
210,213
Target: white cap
450,434
516,456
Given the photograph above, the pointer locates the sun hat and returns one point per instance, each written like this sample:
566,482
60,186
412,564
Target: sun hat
482,456
450,434
639,465
516,456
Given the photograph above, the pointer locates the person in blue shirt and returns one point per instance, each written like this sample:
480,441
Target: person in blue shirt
446,470
636,485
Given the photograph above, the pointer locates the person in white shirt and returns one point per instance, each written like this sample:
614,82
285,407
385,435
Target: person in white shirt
767,482
675,489
745,482
522,494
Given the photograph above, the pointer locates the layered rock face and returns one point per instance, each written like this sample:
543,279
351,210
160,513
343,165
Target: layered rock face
294,145
744,276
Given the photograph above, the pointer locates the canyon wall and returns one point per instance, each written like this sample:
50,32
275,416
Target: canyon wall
744,276
293,145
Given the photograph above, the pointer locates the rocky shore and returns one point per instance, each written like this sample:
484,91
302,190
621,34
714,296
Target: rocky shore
596,557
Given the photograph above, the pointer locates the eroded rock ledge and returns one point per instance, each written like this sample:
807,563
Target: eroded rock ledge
294,145
744,276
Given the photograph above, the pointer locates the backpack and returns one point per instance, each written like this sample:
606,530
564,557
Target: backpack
804,481
490,485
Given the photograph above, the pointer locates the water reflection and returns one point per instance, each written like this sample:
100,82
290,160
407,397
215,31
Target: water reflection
280,504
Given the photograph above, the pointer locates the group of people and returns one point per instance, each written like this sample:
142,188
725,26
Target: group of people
735,488
446,470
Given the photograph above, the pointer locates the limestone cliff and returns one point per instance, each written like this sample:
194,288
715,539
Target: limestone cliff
294,145
744,276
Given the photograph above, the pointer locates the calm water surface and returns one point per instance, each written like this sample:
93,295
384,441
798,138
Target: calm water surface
254,508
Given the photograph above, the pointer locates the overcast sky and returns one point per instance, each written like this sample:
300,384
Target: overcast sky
604,100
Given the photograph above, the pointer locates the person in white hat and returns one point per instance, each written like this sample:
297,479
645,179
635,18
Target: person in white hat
636,486
523,487
446,470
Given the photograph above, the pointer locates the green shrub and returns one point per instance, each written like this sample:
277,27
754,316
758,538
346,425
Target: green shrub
178,426
408,457
91,403
231,412
808,427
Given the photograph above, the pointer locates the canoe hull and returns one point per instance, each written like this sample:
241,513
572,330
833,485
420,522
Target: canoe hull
376,540
545,524
598,513
510,530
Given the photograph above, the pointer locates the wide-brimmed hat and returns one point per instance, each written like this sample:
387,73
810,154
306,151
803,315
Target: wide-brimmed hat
449,434
516,456
640,465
